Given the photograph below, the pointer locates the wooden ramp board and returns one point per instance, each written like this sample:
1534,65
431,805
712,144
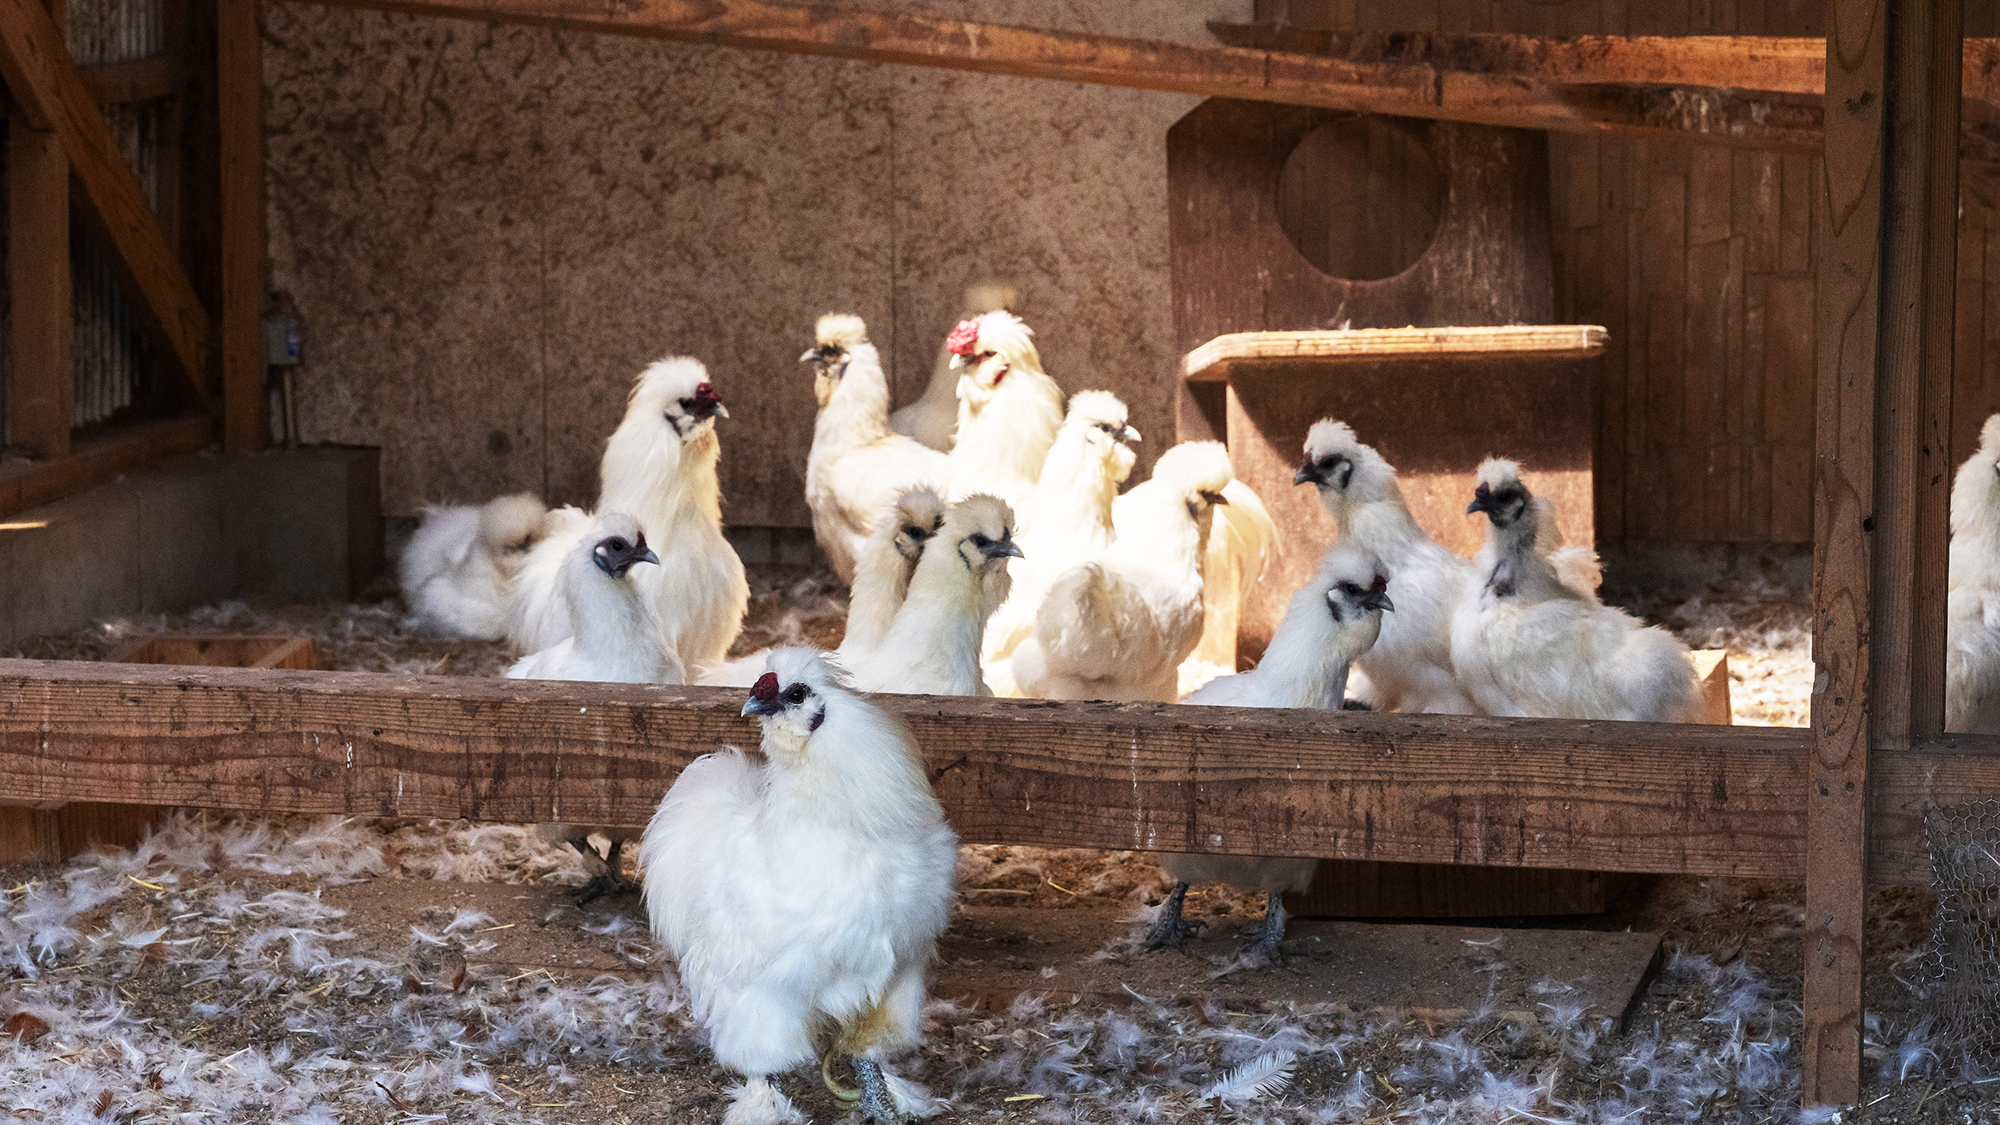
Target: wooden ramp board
993,953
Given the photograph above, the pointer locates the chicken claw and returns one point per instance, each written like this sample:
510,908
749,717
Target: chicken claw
875,1104
1169,928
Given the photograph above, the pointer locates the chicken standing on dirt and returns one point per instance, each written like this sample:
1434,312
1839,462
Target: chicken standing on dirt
458,569
1009,409
1330,622
1118,626
933,647
658,465
616,641
802,892
857,465
1525,643
1972,623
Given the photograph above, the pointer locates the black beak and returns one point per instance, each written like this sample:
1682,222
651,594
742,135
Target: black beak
1482,501
1002,548
1377,597
616,562
1215,499
1310,471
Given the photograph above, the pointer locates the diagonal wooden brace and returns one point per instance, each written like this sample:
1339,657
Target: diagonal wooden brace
52,95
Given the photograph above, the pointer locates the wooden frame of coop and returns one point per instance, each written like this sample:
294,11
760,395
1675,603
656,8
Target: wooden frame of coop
1837,804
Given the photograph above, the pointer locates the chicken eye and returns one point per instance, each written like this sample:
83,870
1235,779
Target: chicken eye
617,544
915,532
1105,426
797,695
980,541
687,405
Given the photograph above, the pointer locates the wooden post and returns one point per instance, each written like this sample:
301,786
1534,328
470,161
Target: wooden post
44,381
240,101
1881,479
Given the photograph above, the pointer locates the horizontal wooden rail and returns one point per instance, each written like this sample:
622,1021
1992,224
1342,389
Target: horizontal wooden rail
1771,120
131,80
1210,362
95,460
1422,788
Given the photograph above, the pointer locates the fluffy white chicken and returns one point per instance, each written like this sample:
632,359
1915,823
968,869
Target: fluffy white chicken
658,465
858,464
458,567
1069,519
1008,409
1972,623
882,576
617,641
802,892
933,646
933,418
1331,621
1524,643
1409,668
1118,626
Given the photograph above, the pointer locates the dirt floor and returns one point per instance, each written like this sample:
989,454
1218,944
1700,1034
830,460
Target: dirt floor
318,970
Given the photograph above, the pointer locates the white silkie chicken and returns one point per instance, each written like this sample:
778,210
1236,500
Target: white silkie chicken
933,418
1409,668
888,559
858,464
617,641
1525,643
658,465
1330,622
1009,409
801,892
1118,626
933,646
1069,519
457,569
882,575
1972,607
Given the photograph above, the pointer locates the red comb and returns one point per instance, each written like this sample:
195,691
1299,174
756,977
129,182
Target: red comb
963,338
766,688
705,396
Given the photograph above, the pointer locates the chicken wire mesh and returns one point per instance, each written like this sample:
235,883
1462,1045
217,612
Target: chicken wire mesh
1962,963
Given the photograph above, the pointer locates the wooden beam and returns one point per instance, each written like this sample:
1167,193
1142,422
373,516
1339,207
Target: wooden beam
96,460
240,105
43,377
1412,788
43,80
132,80
1763,120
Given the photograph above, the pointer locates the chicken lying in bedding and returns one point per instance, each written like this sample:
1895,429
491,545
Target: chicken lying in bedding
801,892
458,569
1525,643
1330,622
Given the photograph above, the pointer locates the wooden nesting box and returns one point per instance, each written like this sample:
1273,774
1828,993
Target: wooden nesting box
55,834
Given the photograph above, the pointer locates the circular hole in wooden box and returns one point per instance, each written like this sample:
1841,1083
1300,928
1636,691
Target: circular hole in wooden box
1360,198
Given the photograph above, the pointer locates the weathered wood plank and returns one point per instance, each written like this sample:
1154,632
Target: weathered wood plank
1407,788
132,80
91,463
43,80
43,378
1844,502
240,107
1774,120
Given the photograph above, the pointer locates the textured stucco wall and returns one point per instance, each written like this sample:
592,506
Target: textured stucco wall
488,230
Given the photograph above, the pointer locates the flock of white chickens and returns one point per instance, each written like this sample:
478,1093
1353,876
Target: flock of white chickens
801,891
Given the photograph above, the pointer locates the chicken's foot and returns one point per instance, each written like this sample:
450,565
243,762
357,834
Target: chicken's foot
1270,937
609,881
1169,928
875,1103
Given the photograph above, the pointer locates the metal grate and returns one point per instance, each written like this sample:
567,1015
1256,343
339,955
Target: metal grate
1963,960
105,31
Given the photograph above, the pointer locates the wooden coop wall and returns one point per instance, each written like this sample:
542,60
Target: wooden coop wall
1700,262
487,230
